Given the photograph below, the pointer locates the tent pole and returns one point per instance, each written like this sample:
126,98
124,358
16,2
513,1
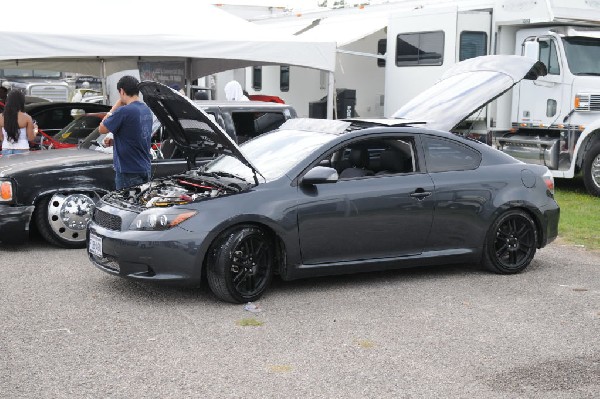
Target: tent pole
103,80
330,95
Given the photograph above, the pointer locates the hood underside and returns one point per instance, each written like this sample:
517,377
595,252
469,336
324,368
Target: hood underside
192,129
467,87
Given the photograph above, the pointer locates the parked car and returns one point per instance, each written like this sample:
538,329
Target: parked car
55,191
318,197
71,135
52,117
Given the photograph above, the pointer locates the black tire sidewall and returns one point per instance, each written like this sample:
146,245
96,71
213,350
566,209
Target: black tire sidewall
490,261
219,278
591,187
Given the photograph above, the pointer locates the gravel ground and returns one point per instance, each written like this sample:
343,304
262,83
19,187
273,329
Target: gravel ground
68,330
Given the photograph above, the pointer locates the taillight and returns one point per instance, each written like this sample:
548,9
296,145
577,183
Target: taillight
549,180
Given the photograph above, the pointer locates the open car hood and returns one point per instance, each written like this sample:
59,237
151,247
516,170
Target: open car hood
192,129
467,87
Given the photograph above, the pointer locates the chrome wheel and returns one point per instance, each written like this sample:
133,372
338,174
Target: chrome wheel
68,216
591,170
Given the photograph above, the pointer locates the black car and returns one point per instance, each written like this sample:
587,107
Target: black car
319,197
51,117
55,191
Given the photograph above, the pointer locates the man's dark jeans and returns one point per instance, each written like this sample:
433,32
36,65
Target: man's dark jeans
124,180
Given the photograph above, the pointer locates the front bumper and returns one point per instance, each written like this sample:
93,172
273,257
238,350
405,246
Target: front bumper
173,256
14,223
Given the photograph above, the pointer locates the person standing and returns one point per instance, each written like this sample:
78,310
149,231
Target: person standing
234,91
130,121
17,127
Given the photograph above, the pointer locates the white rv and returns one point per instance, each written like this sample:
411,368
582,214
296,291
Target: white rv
554,120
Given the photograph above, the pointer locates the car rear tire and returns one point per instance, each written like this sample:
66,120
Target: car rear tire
511,243
591,170
240,264
62,218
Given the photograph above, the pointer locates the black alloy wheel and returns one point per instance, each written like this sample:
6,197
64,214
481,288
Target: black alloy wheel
240,264
511,243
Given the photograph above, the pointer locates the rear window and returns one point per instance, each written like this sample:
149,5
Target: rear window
446,155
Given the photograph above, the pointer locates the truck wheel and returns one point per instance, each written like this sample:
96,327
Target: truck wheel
591,170
240,264
62,218
510,243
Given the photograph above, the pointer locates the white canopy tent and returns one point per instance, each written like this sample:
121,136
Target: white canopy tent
118,34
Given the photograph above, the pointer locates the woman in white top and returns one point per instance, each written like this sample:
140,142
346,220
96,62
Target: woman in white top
16,127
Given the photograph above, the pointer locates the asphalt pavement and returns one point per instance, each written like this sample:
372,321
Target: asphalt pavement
68,330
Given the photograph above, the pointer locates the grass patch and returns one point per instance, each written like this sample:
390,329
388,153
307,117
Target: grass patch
365,343
249,322
579,214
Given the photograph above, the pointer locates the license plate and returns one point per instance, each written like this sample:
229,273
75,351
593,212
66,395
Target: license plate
95,246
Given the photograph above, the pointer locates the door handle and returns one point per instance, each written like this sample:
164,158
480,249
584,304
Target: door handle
420,194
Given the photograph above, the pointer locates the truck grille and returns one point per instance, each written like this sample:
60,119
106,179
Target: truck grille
588,102
106,220
52,93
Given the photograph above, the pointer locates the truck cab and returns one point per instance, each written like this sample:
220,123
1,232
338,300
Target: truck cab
555,118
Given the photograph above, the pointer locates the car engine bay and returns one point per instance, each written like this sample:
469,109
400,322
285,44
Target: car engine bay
181,189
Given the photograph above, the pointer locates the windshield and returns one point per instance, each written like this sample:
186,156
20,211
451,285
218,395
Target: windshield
582,55
78,129
273,154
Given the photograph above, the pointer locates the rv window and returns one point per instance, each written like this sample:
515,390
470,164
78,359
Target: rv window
284,78
381,50
257,78
472,44
423,48
549,57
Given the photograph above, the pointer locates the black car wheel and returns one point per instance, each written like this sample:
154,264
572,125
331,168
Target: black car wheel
511,243
240,264
591,170
62,218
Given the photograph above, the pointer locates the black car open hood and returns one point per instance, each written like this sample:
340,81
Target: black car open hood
192,129
467,87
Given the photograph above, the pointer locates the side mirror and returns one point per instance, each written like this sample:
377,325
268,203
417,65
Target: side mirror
320,175
531,49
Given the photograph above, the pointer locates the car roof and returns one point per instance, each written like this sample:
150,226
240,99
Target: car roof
241,104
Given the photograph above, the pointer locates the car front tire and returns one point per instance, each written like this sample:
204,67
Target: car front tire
511,243
62,218
240,264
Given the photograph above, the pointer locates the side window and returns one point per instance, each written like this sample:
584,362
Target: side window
422,48
284,78
252,123
381,50
373,157
257,78
445,155
472,44
549,56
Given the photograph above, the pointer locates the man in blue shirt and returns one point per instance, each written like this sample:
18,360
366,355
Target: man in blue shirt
130,121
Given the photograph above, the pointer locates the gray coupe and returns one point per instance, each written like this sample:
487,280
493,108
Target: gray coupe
321,197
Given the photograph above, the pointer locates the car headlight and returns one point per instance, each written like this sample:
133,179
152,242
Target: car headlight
6,191
160,219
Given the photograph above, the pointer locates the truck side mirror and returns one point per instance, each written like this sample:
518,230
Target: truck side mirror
531,49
